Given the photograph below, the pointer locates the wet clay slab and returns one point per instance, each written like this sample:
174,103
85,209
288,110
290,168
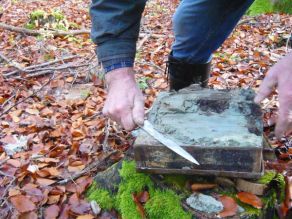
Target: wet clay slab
222,129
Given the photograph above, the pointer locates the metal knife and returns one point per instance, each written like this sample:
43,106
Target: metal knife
148,127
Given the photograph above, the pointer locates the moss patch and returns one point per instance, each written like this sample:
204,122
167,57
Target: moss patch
163,204
102,197
266,6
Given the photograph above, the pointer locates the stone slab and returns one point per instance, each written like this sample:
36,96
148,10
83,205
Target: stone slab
222,129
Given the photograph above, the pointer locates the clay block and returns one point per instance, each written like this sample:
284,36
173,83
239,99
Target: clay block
222,129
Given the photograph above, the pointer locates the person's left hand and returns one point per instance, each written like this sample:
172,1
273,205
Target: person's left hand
280,76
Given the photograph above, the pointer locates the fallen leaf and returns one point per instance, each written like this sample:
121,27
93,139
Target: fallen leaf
28,215
202,186
14,162
52,212
76,168
230,206
22,203
250,199
143,197
32,111
139,206
44,181
86,216
53,199
288,196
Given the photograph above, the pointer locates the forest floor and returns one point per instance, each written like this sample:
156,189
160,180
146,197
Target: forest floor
53,137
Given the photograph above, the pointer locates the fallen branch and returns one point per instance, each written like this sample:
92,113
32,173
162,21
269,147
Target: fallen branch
87,169
41,65
40,32
11,62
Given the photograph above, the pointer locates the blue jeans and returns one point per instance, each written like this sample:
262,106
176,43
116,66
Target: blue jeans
201,26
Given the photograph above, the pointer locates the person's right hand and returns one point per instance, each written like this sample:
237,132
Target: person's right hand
125,101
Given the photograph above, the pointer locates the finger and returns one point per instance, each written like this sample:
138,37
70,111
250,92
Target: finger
284,123
267,85
108,111
127,121
138,110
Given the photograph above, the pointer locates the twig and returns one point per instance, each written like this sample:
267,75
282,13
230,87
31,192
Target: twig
10,98
13,63
86,170
3,200
21,101
145,38
155,35
39,32
41,65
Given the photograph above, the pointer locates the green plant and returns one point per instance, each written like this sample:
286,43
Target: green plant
163,204
142,83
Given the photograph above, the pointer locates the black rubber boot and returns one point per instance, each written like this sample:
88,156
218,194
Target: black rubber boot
182,74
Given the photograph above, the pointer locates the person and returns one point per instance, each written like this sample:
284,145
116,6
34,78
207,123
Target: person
200,27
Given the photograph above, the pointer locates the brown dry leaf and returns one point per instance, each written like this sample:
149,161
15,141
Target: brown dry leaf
288,196
15,115
48,160
76,168
53,171
86,216
14,162
44,181
32,111
2,100
28,215
82,184
250,199
202,186
80,207
46,112
230,206
13,192
139,206
76,133
22,203
53,199
143,197
52,212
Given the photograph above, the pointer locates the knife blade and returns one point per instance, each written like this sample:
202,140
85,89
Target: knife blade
148,127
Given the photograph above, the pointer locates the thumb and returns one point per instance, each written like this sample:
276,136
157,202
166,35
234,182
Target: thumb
267,86
138,110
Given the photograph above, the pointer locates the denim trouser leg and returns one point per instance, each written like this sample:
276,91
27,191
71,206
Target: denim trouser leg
201,26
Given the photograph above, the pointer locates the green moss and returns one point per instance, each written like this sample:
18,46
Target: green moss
132,182
58,15
267,177
178,181
266,6
162,204
280,180
165,205
101,196
37,14
260,7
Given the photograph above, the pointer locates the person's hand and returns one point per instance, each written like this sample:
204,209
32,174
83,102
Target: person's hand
125,101
280,75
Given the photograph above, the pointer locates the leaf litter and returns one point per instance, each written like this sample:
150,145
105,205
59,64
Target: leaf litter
47,137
